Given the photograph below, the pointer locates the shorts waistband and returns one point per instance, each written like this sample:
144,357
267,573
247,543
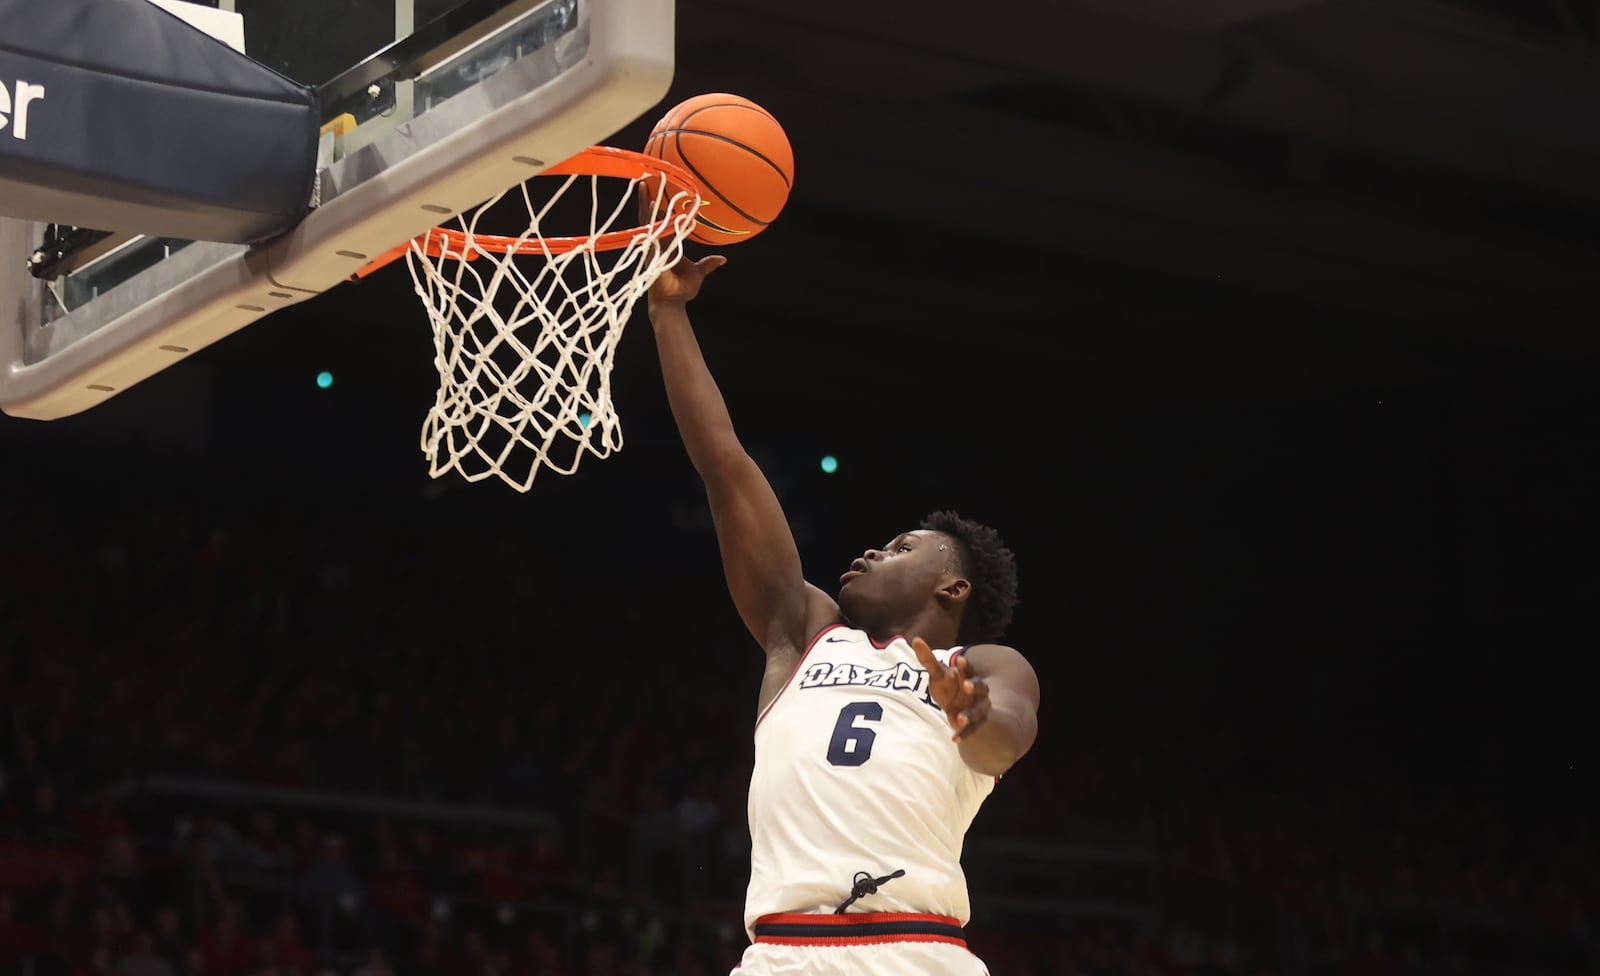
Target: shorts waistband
857,928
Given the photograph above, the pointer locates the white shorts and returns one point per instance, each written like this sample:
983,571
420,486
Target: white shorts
892,944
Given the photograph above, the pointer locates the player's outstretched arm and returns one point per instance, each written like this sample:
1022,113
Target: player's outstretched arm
759,556
991,697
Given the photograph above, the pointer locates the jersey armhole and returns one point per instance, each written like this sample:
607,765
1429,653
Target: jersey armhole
797,665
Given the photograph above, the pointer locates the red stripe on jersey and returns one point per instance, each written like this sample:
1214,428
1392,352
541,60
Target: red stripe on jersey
851,940
797,666
856,928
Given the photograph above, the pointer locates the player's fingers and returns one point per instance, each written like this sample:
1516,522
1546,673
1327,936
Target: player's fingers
925,657
971,690
710,264
972,719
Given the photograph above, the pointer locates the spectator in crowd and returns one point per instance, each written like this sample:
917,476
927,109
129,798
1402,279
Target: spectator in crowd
143,959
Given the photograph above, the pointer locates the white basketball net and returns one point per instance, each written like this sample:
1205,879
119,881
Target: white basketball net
524,342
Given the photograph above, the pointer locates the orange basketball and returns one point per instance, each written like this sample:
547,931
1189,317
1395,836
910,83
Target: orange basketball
741,157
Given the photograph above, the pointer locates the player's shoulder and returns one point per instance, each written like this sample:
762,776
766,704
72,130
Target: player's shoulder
822,612
995,657
786,644
990,650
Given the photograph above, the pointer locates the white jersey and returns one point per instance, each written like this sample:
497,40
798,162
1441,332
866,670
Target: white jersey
855,771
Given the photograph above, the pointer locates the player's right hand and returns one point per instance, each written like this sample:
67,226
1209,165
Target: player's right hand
681,282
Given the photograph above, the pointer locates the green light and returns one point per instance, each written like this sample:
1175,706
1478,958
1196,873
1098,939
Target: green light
324,380
830,464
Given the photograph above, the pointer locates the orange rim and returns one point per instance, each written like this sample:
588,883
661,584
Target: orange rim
595,161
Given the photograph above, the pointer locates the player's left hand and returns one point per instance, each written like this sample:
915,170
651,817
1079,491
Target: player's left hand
681,282
964,698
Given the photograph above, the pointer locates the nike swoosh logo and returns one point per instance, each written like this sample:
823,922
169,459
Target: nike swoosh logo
835,640
703,219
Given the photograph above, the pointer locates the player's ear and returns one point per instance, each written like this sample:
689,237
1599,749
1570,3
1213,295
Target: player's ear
954,590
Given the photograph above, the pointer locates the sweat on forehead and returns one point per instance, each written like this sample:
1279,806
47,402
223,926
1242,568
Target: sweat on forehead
930,535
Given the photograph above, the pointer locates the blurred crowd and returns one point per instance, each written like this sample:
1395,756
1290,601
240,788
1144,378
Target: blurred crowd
293,742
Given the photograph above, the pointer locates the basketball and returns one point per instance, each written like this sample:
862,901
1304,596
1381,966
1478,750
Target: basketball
740,155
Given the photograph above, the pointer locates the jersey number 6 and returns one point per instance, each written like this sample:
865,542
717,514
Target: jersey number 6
852,743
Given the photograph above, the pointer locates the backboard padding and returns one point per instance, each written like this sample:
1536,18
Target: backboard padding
538,110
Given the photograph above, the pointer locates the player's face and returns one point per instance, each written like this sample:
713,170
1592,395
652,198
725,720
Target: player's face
901,575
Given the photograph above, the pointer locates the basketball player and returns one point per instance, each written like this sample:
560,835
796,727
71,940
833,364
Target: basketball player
884,718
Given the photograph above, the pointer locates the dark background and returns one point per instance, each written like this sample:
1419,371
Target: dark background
1265,332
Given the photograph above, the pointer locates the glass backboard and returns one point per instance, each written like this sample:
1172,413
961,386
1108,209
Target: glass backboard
430,107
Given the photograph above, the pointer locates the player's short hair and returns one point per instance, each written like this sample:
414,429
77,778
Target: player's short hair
991,569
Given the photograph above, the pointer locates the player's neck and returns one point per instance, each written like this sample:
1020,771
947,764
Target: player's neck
930,625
